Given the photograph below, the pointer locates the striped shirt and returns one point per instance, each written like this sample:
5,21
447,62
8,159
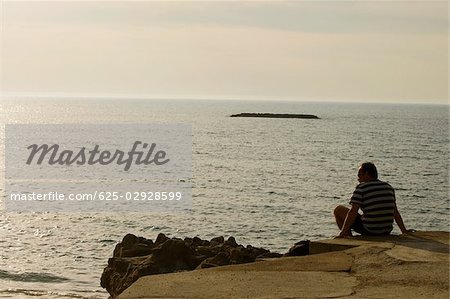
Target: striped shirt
377,202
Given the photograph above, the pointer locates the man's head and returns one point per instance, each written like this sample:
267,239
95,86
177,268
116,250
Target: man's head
367,172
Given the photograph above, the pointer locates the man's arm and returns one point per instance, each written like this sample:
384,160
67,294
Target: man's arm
349,220
399,221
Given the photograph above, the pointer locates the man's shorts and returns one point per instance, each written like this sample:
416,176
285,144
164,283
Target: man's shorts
360,229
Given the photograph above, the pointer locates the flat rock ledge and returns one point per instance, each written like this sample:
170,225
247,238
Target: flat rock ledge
276,115
135,257
415,265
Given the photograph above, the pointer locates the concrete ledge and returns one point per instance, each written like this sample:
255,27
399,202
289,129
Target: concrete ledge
242,284
406,266
316,247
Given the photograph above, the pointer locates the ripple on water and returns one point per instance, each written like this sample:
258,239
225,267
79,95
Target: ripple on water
31,277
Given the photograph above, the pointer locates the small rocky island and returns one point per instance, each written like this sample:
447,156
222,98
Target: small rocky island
276,115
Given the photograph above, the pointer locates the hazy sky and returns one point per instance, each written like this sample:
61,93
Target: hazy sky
300,50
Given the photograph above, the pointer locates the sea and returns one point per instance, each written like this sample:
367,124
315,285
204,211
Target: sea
267,182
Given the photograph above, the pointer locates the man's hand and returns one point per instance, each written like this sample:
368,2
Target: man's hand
343,234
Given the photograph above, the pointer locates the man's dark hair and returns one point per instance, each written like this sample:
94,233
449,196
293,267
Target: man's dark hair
370,169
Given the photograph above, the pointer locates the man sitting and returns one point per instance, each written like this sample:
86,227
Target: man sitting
376,199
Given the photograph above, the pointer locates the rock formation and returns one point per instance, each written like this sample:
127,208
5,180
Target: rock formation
275,115
413,265
137,256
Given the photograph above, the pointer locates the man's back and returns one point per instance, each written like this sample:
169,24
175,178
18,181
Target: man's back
377,202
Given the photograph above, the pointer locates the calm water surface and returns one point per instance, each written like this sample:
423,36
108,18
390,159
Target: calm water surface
268,182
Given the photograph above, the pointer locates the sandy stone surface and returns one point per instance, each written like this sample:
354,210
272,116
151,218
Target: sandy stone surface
406,266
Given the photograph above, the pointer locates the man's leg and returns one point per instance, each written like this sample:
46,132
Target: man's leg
340,213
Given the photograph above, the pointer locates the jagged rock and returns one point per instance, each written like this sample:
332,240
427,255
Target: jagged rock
217,241
161,238
299,249
221,259
232,242
137,256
